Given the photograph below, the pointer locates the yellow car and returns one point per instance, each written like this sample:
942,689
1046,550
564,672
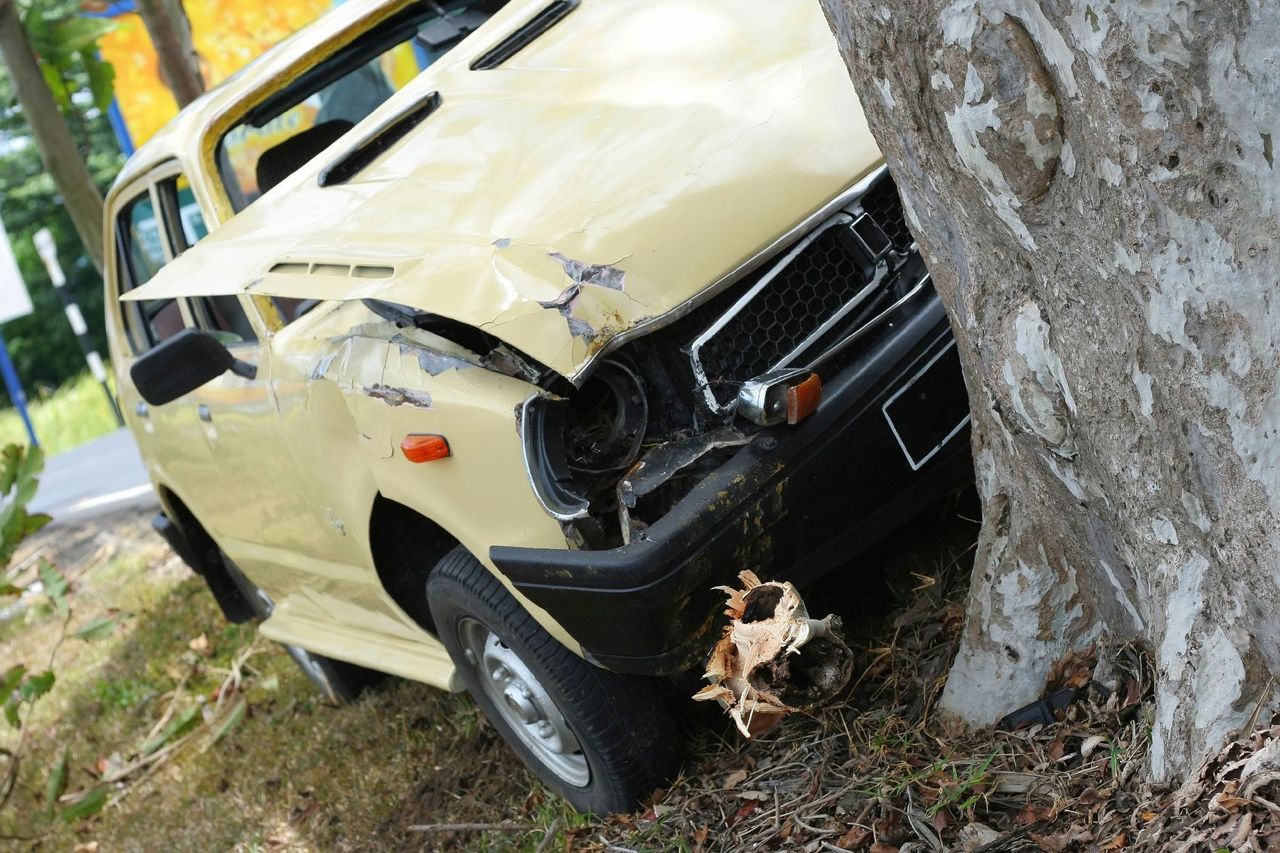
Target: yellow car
484,375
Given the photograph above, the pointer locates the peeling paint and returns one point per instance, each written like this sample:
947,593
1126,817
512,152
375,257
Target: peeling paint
583,274
398,396
433,362
600,275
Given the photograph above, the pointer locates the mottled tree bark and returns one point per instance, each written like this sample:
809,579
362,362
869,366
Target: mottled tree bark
170,32
1092,185
51,133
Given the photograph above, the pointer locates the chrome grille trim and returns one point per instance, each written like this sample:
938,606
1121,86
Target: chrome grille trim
695,348
793,307
843,200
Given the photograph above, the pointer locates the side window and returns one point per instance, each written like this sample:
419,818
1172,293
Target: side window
223,315
141,257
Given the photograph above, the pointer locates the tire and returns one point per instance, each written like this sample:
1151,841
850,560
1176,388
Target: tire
338,681
545,700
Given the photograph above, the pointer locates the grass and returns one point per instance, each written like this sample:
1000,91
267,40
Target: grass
292,773
876,771
73,414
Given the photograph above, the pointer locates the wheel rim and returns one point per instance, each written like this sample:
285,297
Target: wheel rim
523,702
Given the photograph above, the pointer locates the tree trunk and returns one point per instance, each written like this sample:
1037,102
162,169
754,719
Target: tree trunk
51,133
170,32
1092,186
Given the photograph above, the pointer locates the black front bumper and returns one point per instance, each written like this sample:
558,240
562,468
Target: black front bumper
795,503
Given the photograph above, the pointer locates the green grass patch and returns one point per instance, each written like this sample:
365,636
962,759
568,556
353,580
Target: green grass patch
70,416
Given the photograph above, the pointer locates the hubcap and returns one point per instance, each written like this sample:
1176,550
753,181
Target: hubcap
523,703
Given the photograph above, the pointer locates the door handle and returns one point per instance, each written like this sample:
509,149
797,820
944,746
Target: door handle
202,411
141,410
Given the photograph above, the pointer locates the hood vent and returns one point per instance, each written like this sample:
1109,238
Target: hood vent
331,270
526,35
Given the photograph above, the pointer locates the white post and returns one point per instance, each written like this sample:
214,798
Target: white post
48,251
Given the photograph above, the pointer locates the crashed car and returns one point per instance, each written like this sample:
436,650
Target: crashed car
486,376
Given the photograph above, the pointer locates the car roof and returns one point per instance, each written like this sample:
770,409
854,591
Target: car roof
181,137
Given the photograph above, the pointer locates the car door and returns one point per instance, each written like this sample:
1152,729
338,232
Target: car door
168,436
262,508
249,506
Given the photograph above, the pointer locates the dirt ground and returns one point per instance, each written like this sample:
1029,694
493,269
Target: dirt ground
196,735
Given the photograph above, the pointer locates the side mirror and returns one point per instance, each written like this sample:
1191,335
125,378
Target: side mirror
182,364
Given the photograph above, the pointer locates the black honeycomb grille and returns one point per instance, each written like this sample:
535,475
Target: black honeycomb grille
882,204
804,295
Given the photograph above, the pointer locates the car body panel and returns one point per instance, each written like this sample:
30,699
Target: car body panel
686,140
336,390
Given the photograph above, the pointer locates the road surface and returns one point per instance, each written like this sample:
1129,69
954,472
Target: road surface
102,476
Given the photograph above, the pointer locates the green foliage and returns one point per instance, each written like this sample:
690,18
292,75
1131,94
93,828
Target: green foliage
178,726
73,414
43,347
97,628
67,46
56,784
19,686
88,803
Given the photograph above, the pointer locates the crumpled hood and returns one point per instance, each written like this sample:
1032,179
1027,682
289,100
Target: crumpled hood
633,155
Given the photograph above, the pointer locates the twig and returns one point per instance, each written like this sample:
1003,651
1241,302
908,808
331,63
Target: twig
173,704
11,779
549,836
505,826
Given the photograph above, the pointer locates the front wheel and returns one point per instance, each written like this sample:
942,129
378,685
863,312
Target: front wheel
599,739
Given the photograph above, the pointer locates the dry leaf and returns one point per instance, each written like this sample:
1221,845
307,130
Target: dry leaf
748,808
856,837
735,778
1231,804
1090,744
1117,843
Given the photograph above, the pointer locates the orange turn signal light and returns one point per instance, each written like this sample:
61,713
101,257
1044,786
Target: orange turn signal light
424,448
803,399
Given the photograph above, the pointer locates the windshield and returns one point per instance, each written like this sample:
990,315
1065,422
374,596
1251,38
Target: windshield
285,131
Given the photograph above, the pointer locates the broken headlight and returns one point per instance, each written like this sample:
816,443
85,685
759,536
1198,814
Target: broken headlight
576,448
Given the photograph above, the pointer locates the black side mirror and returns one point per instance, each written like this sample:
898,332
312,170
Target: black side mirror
182,364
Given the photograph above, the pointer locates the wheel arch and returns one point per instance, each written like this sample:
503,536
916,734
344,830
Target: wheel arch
406,546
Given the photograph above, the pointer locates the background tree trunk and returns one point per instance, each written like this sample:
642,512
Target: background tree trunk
170,32
1092,186
52,135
